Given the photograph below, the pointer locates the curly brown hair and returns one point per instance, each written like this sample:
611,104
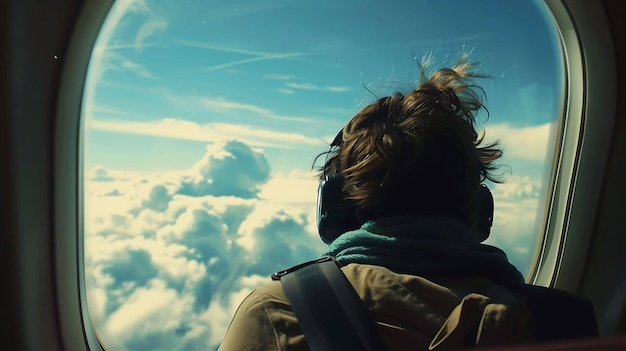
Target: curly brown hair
417,153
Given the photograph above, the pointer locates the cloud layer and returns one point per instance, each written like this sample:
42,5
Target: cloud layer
170,256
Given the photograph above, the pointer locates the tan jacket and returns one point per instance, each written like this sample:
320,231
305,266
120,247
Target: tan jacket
411,313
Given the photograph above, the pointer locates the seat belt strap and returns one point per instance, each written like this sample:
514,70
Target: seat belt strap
329,311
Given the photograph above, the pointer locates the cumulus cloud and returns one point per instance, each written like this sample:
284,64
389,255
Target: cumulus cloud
158,198
99,174
152,317
171,256
200,230
278,232
114,192
228,168
130,266
518,187
297,186
523,143
517,215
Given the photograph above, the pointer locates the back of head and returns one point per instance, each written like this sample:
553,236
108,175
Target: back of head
417,153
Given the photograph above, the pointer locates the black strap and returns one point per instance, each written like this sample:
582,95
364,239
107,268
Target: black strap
329,311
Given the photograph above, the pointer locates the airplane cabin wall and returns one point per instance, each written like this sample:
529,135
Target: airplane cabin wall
604,277
33,33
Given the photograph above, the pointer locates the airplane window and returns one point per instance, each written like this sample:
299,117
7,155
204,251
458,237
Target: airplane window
202,119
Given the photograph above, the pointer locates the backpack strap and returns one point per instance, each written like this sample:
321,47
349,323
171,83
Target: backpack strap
329,311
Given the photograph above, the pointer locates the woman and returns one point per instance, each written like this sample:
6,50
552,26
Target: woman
410,168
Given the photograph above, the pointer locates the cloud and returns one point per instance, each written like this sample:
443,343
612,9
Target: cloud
285,91
221,105
138,69
210,132
518,187
153,26
515,230
256,55
277,232
110,60
278,76
524,143
130,266
167,264
99,174
151,318
151,22
249,60
311,86
297,186
169,259
200,230
158,198
98,63
232,49
517,215
228,168
114,192
104,56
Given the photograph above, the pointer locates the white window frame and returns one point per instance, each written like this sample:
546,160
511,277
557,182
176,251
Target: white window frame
77,331
582,143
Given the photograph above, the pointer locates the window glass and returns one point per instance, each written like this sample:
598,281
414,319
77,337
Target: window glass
202,119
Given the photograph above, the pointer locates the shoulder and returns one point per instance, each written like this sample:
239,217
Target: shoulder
405,301
262,321
439,313
442,291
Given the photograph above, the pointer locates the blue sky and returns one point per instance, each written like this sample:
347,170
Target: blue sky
305,72
202,119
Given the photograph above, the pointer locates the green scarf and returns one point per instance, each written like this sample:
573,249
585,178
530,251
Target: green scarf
424,246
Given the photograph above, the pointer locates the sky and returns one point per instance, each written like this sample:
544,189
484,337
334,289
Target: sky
201,120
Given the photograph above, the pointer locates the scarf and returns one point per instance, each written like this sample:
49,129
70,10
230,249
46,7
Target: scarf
424,246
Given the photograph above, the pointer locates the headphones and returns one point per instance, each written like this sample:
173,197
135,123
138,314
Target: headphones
336,215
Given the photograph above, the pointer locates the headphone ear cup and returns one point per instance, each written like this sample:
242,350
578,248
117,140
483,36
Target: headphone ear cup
484,219
335,215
